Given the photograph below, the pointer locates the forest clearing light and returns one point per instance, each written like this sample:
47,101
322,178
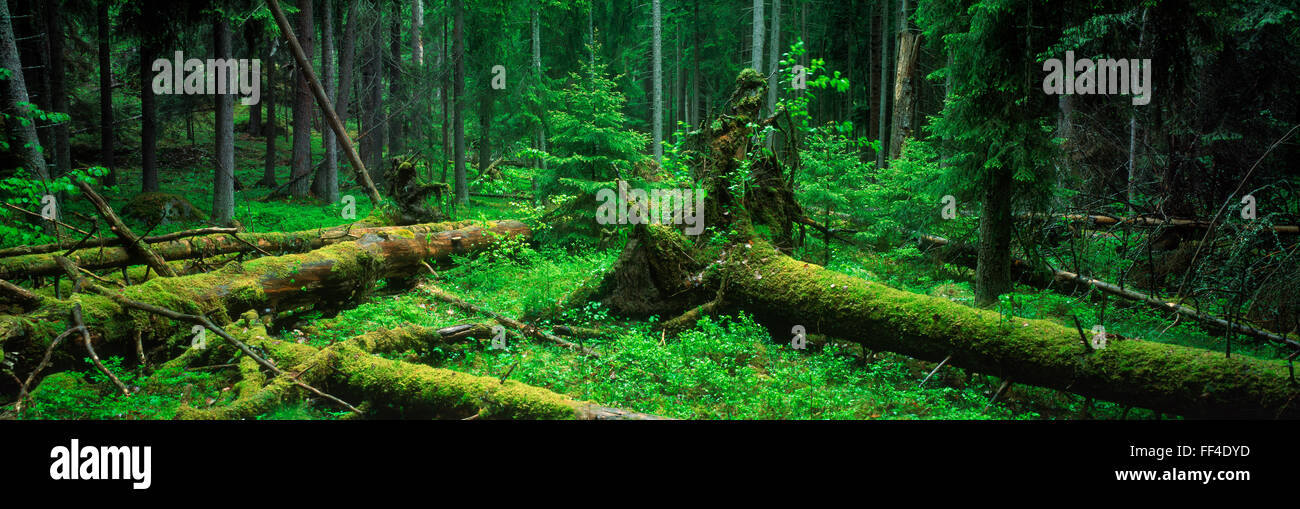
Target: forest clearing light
213,76
656,206
1103,76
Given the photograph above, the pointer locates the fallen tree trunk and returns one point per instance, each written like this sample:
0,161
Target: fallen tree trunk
352,366
1104,220
330,275
964,254
108,242
184,248
1169,378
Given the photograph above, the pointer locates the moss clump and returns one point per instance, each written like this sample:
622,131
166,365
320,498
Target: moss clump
153,207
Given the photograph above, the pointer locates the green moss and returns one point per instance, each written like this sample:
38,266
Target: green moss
150,207
419,387
1174,378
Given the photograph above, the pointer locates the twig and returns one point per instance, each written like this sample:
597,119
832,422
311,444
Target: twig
249,244
1003,387
1210,229
45,361
935,370
43,218
85,338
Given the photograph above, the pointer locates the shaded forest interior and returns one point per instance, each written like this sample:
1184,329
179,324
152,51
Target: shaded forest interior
942,209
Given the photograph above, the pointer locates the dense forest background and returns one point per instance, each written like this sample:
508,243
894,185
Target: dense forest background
906,144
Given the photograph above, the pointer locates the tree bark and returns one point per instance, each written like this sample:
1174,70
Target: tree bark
658,97
773,60
326,184
347,61
904,86
396,90
54,35
253,36
993,273
24,132
458,117
756,54
882,113
105,94
223,187
372,137
272,124
149,49
300,166
417,37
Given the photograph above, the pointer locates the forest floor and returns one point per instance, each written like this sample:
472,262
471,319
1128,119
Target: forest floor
728,367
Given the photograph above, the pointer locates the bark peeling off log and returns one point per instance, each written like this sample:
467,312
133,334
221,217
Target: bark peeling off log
1170,378
331,274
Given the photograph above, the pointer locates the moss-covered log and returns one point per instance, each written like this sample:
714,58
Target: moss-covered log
352,367
99,257
332,274
1169,378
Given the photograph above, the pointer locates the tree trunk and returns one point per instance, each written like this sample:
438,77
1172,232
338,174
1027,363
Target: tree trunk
372,138
883,112
347,62
16,99
756,54
272,124
658,97
485,103
458,117
537,73
223,185
301,167
417,37
904,92
54,35
105,94
252,42
993,272
773,60
396,99
326,184
444,96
